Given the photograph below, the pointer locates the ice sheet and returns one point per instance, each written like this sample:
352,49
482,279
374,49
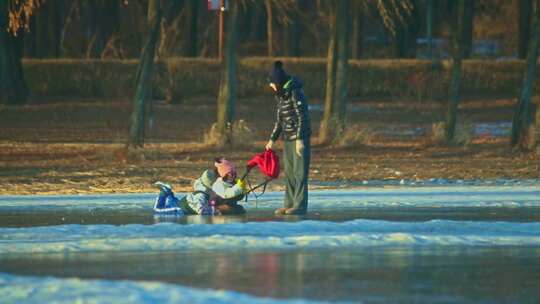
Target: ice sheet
454,195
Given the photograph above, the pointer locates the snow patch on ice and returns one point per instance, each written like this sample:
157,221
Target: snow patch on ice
493,129
265,235
22,289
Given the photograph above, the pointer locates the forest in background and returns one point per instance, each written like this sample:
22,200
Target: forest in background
350,29
116,29
384,104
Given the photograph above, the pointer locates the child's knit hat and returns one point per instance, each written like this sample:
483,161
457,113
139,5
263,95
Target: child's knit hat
224,167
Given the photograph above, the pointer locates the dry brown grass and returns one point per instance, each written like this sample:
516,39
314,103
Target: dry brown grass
67,148
463,135
239,135
37,168
354,135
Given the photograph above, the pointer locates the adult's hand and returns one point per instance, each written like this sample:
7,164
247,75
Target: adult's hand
299,147
269,145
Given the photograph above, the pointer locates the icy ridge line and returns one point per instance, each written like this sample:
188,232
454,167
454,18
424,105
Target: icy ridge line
267,235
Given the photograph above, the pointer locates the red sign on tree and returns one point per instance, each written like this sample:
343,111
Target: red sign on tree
214,5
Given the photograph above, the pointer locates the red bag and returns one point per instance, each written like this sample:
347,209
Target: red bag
268,163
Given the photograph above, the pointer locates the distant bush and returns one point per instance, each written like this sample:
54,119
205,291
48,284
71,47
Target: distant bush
181,79
240,134
80,78
353,135
463,134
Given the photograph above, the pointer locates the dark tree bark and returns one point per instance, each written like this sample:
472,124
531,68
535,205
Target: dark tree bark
171,28
170,44
246,22
356,34
336,72
524,24
42,45
192,29
226,102
468,28
342,69
12,86
523,121
328,121
455,86
269,28
406,34
48,29
143,91
257,29
292,36
30,40
104,22
71,14
429,27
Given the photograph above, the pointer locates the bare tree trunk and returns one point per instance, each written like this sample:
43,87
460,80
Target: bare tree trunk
342,69
144,78
291,41
523,121
257,25
74,7
227,88
455,86
335,103
30,40
41,33
193,19
468,28
399,40
524,24
171,25
54,28
328,122
429,27
105,21
356,35
47,30
269,28
406,34
12,86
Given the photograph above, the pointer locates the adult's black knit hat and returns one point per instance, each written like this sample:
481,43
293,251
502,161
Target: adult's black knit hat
277,74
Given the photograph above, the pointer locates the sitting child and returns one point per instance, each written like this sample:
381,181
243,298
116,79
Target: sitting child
228,188
200,201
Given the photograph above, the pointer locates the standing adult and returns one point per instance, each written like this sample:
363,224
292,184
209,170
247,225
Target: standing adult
293,124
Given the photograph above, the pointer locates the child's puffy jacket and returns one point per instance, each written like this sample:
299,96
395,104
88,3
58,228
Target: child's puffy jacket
227,190
199,199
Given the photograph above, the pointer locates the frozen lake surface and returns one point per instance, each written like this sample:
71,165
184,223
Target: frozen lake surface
449,243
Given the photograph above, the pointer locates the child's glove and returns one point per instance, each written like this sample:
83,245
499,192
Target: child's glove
242,184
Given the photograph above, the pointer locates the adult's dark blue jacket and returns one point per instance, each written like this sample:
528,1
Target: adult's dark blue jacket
292,115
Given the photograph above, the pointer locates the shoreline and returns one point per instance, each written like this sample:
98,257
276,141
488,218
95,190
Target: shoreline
314,186
41,168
